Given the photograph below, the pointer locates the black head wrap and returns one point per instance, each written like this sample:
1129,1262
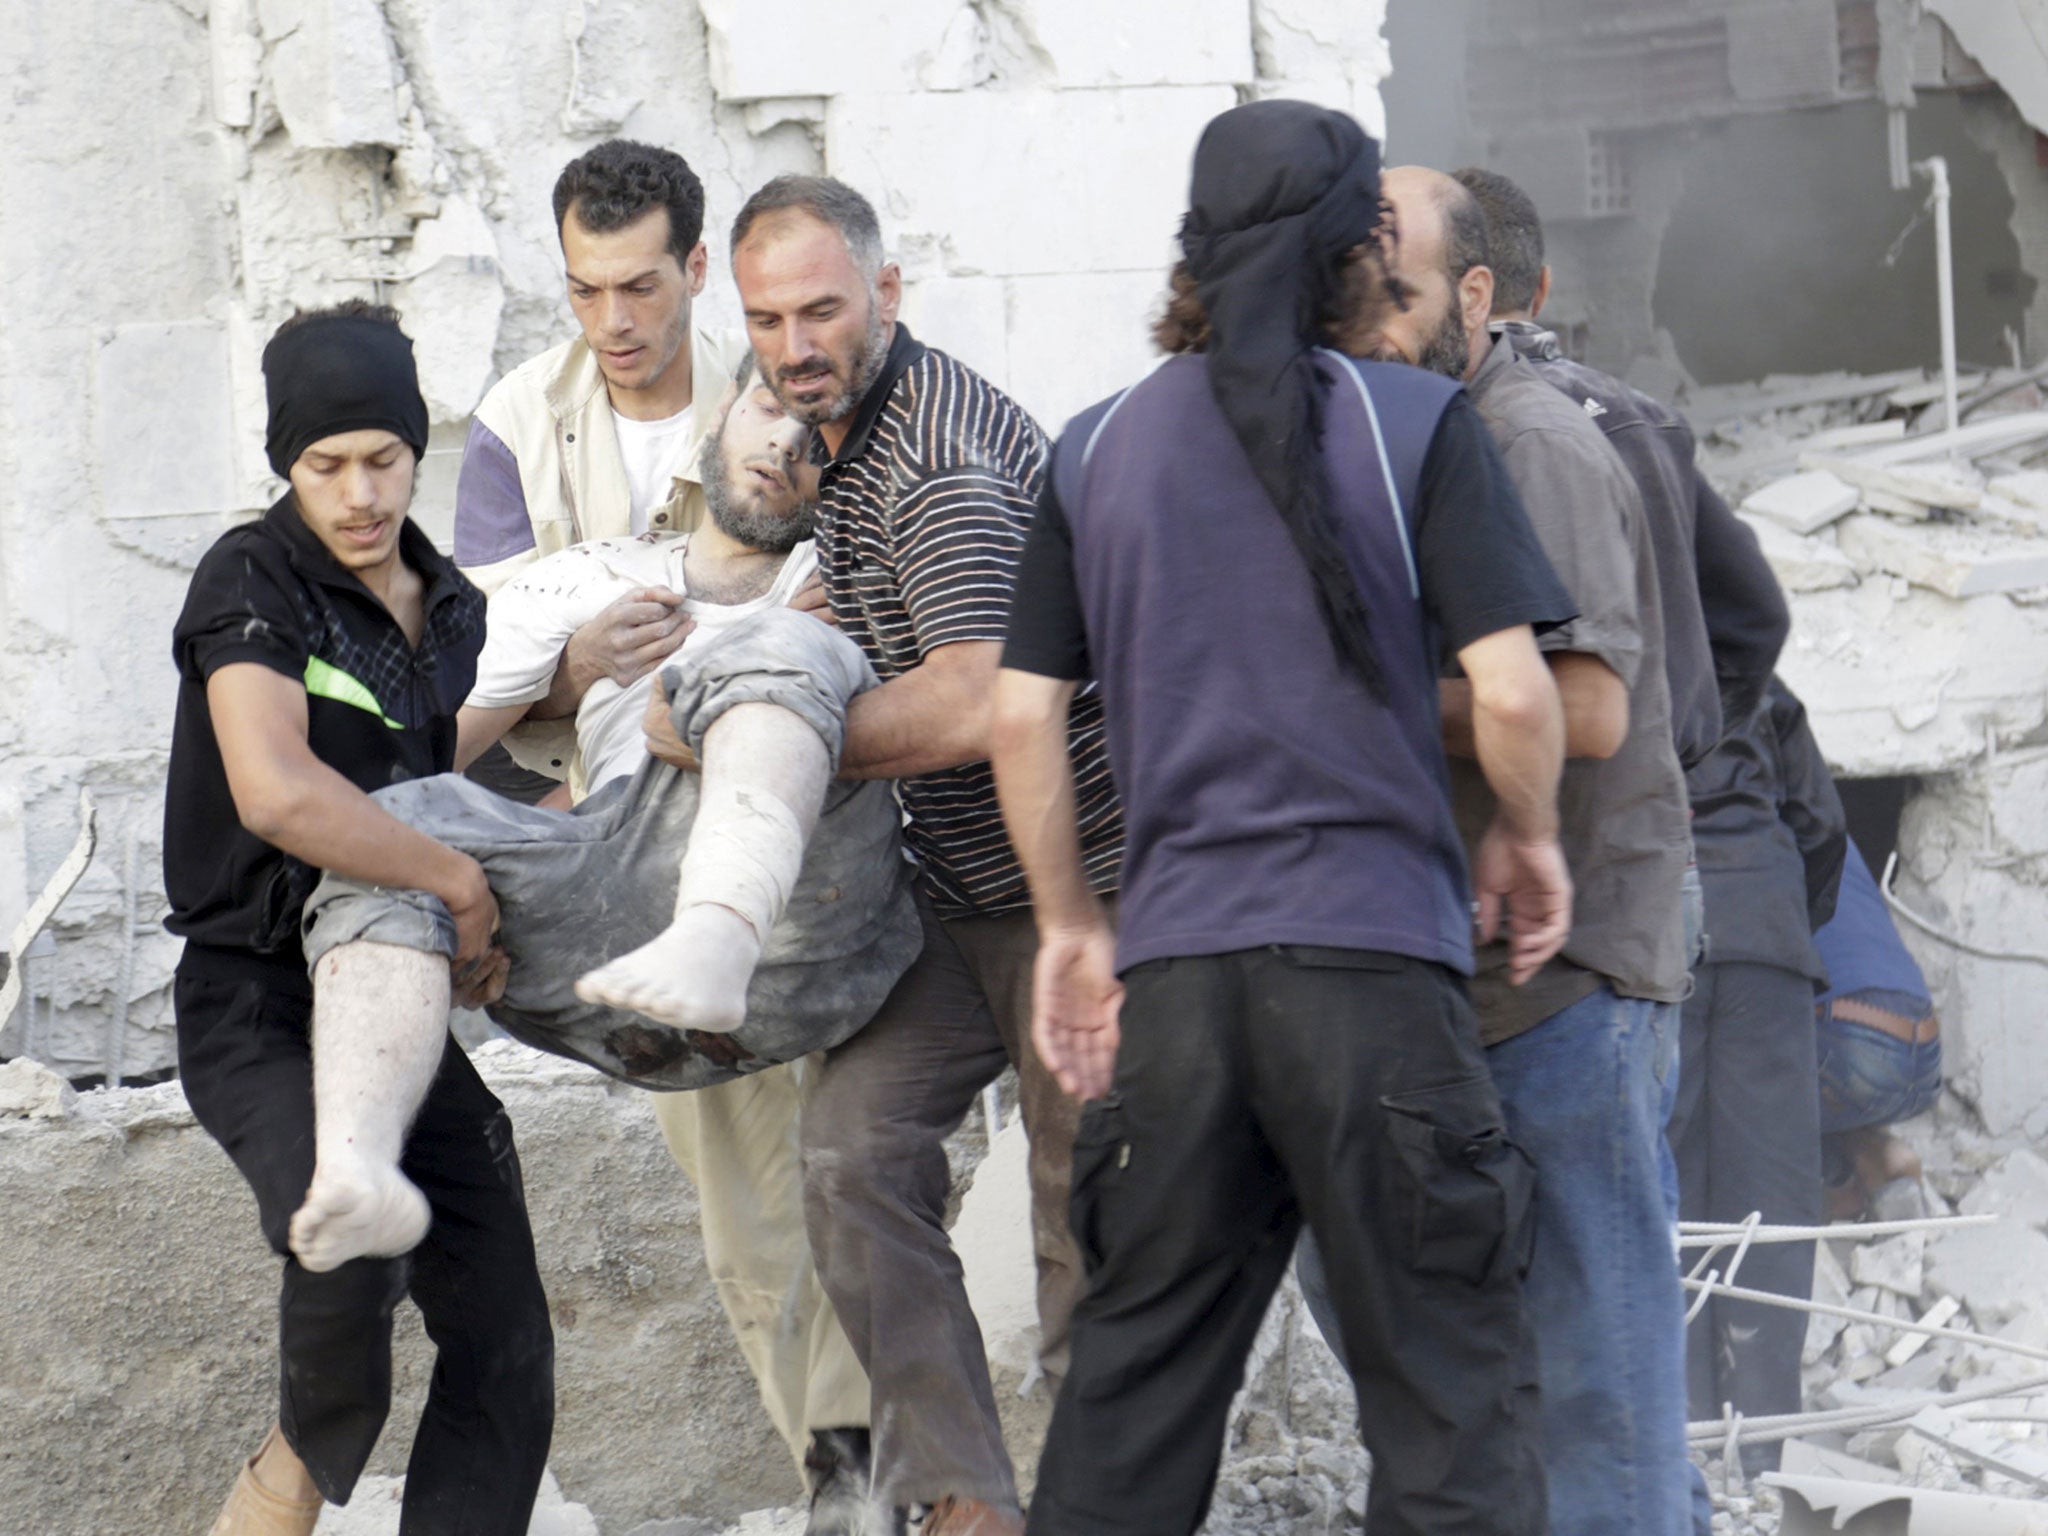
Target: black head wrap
340,373
1281,190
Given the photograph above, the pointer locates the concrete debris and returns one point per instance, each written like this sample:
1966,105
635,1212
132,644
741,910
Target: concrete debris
2015,1187
1803,502
1936,485
374,1511
1953,560
1940,1315
1997,1272
1803,565
30,1091
1894,1265
1828,1506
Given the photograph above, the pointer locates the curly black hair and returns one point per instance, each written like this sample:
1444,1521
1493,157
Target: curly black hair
619,181
347,309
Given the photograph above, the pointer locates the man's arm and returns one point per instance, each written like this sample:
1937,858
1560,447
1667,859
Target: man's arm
1518,737
1747,619
293,801
1808,803
1076,996
478,729
937,715
1594,700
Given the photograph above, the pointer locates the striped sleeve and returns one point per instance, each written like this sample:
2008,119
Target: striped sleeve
491,522
957,540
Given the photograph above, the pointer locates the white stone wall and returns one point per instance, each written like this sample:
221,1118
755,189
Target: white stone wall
181,174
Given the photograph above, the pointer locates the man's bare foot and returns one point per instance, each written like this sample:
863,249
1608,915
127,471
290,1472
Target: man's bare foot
691,975
357,1210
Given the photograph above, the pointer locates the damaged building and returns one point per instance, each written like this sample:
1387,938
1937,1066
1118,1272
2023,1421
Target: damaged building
1736,225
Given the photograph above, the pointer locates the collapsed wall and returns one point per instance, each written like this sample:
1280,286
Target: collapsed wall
183,173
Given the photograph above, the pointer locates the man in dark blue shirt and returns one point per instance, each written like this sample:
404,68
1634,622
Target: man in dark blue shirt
322,653
1262,553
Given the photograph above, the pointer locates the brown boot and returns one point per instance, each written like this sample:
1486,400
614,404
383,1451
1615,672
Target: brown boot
253,1510
970,1517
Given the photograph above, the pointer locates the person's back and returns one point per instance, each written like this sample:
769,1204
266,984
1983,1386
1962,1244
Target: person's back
1268,797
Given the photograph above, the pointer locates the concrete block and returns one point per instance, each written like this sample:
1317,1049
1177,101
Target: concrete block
1954,561
1802,564
966,317
1803,503
760,51
140,1311
1305,39
453,301
2015,1187
1075,339
237,59
2029,488
331,70
31,1091
1936,484
1893,1265
1028,182
1994,1271
164,423
1140,42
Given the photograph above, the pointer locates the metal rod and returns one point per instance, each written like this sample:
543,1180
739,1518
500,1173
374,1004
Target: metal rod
1935,168
1708,1234
1783,1426
1855,1315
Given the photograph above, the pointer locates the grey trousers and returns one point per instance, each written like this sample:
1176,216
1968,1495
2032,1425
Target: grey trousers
578,888
875,1183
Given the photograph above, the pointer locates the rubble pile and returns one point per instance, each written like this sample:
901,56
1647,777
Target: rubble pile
1848,479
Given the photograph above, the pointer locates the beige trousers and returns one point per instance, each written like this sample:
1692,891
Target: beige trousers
738,1144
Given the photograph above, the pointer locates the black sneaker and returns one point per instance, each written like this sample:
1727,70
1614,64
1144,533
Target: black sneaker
838,1468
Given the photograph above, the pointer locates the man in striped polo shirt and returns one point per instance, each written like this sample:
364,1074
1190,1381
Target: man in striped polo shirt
931,483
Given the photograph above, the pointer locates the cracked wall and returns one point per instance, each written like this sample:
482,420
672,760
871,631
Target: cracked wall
184,173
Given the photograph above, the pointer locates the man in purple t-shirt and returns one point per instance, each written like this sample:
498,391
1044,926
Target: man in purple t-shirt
1277,1034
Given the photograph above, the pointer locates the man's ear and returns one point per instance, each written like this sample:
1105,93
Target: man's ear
695,267
889,292
1475,299
1542,293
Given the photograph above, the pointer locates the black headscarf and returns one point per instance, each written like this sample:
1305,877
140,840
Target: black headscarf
1281,190
340,373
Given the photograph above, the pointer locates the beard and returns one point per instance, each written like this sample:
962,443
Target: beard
1449,350
862,369
740,515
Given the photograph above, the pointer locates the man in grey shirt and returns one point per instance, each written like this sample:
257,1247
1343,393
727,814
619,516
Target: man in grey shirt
1585,1054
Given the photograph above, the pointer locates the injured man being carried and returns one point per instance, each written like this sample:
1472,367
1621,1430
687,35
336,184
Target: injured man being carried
674,929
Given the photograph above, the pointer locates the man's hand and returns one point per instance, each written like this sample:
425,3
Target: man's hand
475,910
1529,881
663,744
810,598
628,640
481,983
1075,999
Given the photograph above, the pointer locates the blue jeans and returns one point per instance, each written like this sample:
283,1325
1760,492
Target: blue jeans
1586,1093
1868,1077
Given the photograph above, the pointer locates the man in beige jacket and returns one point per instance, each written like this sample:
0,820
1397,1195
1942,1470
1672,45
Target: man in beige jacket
603,437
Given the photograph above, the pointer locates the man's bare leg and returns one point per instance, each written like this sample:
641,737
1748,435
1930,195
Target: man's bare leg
380,1025
764,781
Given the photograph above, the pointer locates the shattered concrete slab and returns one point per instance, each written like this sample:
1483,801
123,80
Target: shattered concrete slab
1805,502
1997,1272
2015,1187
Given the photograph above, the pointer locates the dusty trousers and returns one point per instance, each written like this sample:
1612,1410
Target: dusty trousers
875,1184
1746,1136
738,1143
1256,1092
245,1059
576,889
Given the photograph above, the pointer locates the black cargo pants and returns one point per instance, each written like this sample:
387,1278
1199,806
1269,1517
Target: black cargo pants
245,1058
1255,1091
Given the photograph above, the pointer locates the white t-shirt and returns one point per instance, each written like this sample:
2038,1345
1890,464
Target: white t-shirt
655,453
532,617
